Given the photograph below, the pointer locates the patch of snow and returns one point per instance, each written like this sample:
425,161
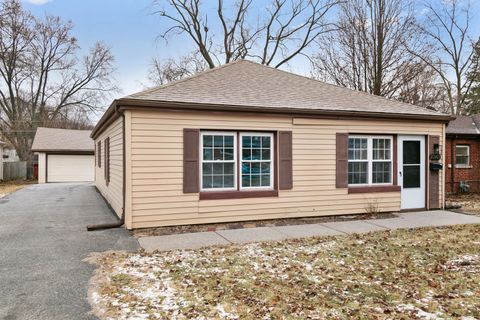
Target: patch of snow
468,263
468,293
224,314
419,312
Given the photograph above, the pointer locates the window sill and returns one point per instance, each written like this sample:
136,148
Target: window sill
219,195
368,189
463,166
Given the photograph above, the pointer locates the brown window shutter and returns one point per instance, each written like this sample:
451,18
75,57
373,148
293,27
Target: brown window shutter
341,160
434,177
99,151
191,151
107,160
285,180
105,147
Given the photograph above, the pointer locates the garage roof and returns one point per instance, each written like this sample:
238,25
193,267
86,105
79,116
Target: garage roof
62,140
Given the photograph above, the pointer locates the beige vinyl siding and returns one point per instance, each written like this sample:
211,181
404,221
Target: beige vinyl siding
157,163
114,191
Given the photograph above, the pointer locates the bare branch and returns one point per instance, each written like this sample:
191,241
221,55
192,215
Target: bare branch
43,79
447,29
286,32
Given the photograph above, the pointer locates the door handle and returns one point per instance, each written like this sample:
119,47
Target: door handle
400,172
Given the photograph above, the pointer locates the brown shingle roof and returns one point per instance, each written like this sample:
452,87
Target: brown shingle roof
468,125
245,83
49,139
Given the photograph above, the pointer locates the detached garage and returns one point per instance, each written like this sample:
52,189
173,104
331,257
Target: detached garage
64,155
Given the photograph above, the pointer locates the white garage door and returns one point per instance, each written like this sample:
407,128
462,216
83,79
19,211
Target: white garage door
70,168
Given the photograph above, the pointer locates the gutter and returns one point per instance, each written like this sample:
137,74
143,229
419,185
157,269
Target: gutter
139,104
118,113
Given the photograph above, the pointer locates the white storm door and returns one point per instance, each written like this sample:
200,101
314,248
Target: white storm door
411,171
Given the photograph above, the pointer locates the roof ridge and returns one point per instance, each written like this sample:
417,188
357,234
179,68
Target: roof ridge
49,128
345,88
193,76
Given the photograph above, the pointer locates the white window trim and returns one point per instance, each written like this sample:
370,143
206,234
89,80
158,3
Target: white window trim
370,160
235,166
271,161
462,165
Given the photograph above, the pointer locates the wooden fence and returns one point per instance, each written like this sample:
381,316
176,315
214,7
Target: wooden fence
14,170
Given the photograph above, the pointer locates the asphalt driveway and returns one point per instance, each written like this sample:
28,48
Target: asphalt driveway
43,240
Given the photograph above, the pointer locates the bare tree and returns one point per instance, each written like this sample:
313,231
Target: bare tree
473,75
42,77
78,119
368,51
424,90
284,30
447,28
163,72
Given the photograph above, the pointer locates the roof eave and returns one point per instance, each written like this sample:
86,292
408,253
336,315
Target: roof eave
127,103
112,111
462,135
65,151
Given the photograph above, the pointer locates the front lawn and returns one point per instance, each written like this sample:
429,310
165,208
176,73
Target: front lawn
404,274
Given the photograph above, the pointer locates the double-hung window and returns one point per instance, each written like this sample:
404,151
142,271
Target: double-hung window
462,155
256,154
370,160
218,161
232,161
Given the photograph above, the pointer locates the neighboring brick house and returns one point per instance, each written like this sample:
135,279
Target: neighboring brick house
463,145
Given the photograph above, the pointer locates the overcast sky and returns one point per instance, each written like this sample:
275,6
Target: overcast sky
129,28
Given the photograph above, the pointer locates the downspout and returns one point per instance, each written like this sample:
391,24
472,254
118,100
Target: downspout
120,222
452,169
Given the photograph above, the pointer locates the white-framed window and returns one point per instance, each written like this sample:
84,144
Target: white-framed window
256,160
218,160
370,160
223,163
462,155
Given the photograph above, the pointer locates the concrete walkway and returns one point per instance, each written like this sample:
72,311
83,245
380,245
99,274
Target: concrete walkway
236,236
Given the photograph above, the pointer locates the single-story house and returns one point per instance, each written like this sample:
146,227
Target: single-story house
64,155
245,142
462,154
1,159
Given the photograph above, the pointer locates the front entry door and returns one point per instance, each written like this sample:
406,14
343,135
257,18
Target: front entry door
411,171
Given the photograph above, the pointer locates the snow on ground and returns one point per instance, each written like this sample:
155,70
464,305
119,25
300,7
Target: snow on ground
416,274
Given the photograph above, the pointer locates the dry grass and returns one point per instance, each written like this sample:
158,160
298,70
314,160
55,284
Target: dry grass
470,202
405,274
12,186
